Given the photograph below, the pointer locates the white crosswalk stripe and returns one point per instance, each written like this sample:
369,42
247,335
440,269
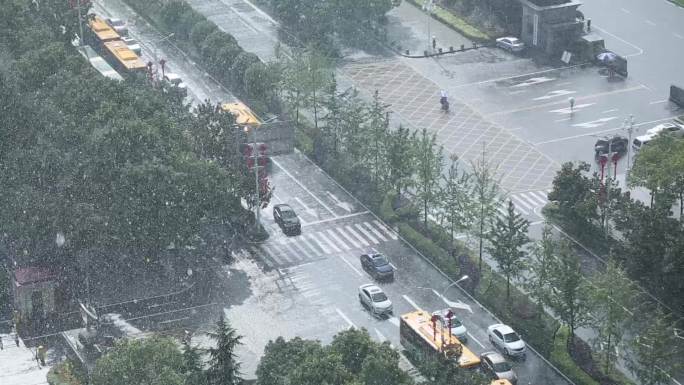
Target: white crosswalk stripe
348,237
306,244
376,232
273,254
356,235
522,202
387,231
320,244
540,197
337,239
328,241
366,233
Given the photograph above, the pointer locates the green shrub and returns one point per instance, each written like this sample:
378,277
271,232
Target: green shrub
455,22
66,373
561,358
386,211
239,67
200,31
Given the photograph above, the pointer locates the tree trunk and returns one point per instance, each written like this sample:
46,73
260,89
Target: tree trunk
425,213
315,109
481,234
508,289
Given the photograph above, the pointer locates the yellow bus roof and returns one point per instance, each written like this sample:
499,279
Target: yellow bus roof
420,322
502,381
102,30
243,114
124,55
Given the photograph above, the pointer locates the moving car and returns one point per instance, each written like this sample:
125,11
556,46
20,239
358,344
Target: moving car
510,43
457,328
496,366
377,266
374,299
640,141
617,144
287,219
506,339
118,25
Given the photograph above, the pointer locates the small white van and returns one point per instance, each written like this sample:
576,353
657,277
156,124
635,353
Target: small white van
640,141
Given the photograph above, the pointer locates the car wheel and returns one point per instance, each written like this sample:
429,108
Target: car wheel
491,340
506,352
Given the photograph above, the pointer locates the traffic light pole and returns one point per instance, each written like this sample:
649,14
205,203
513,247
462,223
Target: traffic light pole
257,207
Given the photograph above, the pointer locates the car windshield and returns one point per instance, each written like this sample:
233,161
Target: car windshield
379,297
511,337
502,367
288,214
380,260
455,322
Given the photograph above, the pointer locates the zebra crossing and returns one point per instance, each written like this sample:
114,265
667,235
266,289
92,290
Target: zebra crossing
526,203
315,245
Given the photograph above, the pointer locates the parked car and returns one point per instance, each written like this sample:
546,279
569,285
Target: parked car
118,25
287,219
457,328
173,78
640,141
374,299
496,366
377,266
510,43
664,127
617,144
506,339
132,45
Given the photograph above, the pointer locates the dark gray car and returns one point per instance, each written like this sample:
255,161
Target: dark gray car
377,266
287,219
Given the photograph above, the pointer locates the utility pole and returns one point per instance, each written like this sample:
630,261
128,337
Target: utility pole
257,206
629,122
427,6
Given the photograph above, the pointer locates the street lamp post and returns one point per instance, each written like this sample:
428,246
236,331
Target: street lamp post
451,304
257,206
629,122
427,6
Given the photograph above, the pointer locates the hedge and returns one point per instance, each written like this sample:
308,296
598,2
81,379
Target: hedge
561,358
455,22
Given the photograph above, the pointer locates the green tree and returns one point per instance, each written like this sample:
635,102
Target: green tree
573,193
375,148
487,191
215,135
507,239
328,144
540,262
655,353
224,367
201,31
429,163
401,159
194,366
611,292
281,357
569,296
442,371
658,168
457,204
319,70
236,75
150,361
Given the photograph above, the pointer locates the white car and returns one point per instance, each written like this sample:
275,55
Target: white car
664,127
132,45
457,328
506,339
118,25
510,43
373,298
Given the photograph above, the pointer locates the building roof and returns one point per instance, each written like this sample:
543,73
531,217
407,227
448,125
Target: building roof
29,275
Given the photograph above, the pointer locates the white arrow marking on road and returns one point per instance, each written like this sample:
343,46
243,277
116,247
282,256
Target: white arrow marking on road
472,337
343,205
555,94
595,123
566,110
456,305
533,81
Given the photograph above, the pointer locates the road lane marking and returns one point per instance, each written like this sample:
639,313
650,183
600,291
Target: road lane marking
410,301
562,120
366,233
639,50
567,110
649,22
611,110
348,238
328,241
533,81
374,231
337,239
384,228
302,186
595,123
625,10
356,235
345,318
381,337
336,218
659,101
555,94
359,273
472,337
601,131
306,208
394,321
678,36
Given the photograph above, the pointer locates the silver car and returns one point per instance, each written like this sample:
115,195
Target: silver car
506,339
512,44
374,299
496,366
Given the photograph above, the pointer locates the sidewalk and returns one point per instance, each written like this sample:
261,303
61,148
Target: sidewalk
411,28
18,365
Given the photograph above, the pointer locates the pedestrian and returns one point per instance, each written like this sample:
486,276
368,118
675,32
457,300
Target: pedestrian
434,42
40,354
572,103
588,25
16,339
1,346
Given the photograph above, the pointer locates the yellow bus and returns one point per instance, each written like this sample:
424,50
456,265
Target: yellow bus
424,339
122,58
244,116
101,31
